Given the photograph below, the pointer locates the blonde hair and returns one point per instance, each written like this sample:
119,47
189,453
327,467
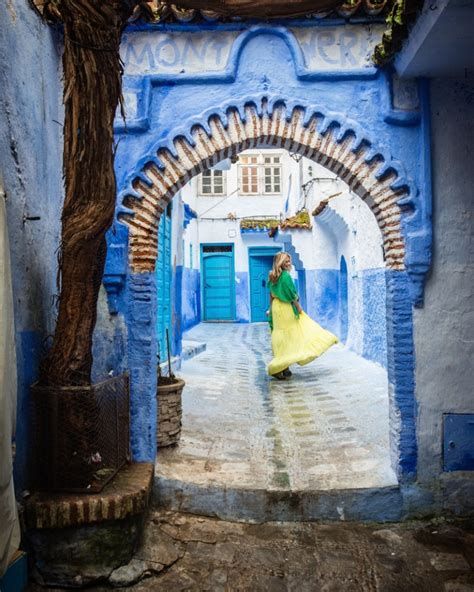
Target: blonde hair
278,262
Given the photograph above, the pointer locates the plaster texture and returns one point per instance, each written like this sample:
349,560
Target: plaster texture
30,166
325,429
191,295
443,329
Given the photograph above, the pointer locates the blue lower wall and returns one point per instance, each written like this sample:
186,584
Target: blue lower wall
142,348
176,329
322,297
368,320
375,315
29,352
109,349
191,298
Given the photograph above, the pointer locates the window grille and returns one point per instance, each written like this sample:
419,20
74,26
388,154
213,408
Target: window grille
272,174
217,248
212,183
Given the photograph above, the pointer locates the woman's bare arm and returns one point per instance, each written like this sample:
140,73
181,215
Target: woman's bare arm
297,304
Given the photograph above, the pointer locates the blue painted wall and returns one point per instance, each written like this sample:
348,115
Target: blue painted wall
281,74
31,170
322,297
191,298
375,311
343,301
324,305
110,333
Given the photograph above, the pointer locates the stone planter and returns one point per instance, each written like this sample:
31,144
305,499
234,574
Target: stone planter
169,410
80,434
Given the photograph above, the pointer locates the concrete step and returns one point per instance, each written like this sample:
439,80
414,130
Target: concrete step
191,349
260,505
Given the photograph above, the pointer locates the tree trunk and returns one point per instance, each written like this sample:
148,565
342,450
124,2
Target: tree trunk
92,91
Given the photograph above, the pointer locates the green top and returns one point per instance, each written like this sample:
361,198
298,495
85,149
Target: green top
285,291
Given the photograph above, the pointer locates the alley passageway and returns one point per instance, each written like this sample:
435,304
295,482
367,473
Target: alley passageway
325,428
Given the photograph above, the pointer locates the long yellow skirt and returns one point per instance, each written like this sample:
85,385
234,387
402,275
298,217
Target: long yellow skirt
295,340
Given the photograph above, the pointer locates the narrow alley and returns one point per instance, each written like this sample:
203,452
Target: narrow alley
324,428
178,178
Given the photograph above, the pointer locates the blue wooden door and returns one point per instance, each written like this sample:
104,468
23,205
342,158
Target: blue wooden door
218,284
163,283
260,264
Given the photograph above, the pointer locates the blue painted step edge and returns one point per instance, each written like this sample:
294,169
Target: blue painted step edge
15,578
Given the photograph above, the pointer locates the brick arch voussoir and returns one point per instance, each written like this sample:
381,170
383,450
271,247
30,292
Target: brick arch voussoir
366,171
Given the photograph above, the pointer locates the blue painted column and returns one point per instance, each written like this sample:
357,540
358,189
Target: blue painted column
401,357
142,347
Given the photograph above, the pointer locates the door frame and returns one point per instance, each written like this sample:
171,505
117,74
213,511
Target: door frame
167,221
258,252
201,263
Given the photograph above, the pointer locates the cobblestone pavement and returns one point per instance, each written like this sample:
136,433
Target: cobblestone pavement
325,428
184,552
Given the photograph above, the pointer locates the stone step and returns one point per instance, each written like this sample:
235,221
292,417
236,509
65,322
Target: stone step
191,349
383,504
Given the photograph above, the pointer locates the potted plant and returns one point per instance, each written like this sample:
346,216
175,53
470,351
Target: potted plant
374,7
169,406
349,8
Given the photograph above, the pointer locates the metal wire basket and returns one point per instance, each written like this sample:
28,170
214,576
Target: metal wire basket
81,434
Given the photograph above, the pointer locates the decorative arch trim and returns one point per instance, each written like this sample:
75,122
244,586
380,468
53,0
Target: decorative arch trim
370,173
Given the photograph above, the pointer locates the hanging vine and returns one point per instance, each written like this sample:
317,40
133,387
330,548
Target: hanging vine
400,17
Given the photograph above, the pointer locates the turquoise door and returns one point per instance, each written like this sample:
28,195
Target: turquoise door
218,284
260,264
163,283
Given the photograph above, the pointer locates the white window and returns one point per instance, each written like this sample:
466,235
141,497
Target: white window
212,183
260,174
249,173
272,174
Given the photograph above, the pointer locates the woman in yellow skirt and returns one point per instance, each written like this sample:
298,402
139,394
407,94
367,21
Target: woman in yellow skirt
296,338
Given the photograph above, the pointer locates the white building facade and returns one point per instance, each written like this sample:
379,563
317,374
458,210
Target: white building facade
333,237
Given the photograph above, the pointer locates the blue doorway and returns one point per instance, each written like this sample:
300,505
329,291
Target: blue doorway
343,308
260,264
163,283
218,282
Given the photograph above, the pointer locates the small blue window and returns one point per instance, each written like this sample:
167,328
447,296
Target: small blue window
190,255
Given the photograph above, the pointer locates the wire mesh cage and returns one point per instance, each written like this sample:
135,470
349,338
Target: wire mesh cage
81,434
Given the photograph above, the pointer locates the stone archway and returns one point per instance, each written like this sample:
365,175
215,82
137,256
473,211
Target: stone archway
339,146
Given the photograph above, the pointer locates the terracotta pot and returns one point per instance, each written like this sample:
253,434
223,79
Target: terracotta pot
374,8
347,10
169,411
210,15
321,15
183,15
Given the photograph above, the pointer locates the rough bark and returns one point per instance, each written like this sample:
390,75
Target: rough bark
261,8
92,91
